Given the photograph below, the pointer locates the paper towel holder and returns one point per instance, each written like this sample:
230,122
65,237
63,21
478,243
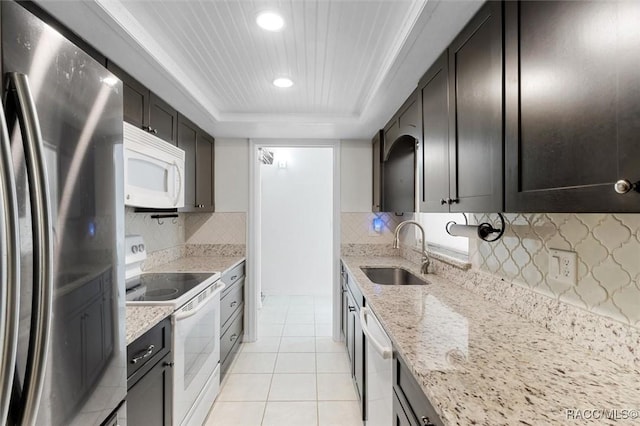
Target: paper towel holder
484,229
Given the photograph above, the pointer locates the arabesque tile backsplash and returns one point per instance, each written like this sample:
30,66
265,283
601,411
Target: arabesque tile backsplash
608,248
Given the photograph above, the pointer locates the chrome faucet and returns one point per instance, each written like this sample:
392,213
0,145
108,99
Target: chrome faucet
396,243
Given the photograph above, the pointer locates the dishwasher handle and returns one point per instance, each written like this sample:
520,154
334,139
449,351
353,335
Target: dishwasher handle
385,351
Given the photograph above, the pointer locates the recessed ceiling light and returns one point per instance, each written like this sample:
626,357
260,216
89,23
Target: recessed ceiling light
283,82
270,21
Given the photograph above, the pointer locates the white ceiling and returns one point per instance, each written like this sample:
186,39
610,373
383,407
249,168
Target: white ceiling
353,62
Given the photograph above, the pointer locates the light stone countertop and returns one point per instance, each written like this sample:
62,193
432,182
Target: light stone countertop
200,264
479,364
141,319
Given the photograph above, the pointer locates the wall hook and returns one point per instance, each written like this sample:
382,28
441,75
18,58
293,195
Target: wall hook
164,216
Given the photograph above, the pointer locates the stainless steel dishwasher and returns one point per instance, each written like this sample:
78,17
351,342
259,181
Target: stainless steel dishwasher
379,386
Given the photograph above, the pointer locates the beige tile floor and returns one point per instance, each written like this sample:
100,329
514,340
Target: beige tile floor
294,375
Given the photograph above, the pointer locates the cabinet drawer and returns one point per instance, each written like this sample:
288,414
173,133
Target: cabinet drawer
230,302
419,409
232,336
232,276
146,350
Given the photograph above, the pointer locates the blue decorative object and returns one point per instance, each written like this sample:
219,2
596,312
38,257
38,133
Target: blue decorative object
378,224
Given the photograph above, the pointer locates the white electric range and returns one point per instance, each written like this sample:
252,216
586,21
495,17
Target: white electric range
196,329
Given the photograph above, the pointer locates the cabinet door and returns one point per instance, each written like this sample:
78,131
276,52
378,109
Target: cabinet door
149,400
358,360
135,98
204,172
187,137
163,119
433,165
351,308
476,143
377,172
572,109
406,122
399,177
400,418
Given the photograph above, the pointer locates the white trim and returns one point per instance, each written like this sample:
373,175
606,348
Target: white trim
253,236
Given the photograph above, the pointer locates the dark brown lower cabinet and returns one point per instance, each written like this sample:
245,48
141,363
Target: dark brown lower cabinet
149,399
355,339
149,377
399,416
410,405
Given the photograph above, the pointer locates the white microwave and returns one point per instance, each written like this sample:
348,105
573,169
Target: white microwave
153,171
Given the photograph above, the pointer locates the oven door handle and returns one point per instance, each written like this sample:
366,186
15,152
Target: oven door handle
184,315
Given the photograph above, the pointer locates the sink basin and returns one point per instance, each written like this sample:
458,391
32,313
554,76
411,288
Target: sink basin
392,276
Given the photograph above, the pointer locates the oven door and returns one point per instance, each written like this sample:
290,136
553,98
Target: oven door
196,346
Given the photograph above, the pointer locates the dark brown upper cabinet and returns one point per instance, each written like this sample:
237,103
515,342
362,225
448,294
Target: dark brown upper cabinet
476,122
406,122
572,106
433,171
461,158
135,98
376,187
400,140
163,119
144,109
199,166
399,177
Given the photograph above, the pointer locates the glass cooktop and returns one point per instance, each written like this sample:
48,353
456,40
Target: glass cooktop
162,286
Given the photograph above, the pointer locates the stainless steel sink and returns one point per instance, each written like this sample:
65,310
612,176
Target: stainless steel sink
392,276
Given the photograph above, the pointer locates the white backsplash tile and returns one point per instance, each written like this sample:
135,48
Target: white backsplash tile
608,247
357,228
216,228
158,235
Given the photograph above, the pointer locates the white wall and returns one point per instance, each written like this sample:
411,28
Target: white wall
232,175
355,175
296,222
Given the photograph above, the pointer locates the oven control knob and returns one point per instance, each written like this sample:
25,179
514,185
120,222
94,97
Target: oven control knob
140,247
134,249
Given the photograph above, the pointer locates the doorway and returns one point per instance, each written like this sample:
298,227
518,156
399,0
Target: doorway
294,242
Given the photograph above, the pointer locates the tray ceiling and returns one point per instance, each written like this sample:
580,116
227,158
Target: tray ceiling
352,61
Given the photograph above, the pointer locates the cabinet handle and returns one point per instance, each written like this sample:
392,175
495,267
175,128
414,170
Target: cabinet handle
168,364
352,308
452,200
150,129
234,303
234,277
426,421
233,337
623,186
443,201
143,354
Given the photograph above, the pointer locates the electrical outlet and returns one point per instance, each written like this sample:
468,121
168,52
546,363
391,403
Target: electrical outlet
563,266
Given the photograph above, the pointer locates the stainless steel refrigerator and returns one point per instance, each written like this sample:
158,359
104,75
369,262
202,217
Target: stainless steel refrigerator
62,322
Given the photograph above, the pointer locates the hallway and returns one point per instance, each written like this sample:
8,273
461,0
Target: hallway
295,374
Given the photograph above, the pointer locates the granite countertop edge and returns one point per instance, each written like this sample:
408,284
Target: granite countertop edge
510,374
141,319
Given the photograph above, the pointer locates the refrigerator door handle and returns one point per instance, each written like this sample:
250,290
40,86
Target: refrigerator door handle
9,270
25,110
